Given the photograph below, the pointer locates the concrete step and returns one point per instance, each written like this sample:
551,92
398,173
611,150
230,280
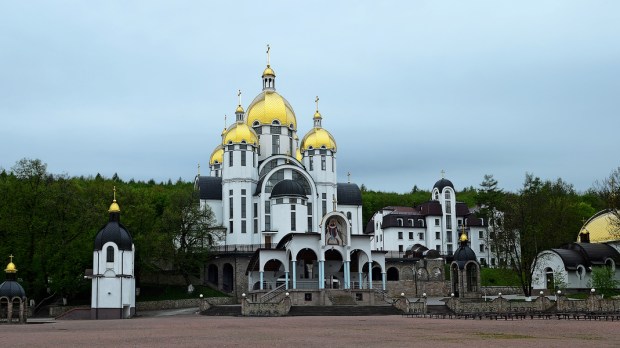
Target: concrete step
343,310
227,310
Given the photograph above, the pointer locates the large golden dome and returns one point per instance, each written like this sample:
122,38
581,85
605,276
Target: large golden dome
602,227
268,107
240,132
217,156
318,138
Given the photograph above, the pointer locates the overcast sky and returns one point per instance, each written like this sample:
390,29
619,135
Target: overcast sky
407,88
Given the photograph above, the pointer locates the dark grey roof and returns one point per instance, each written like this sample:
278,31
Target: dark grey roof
115,232
571,258
595,253
288,187
443,183
11,288
349,194
210,187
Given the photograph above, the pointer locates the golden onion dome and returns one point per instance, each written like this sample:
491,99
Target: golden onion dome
114,208
298,155
239,109
318,138
601,227
240,133
269,107
268,71
217,156
317,114
463,237
10,268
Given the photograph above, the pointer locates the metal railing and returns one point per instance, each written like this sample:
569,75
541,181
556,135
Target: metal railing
273,294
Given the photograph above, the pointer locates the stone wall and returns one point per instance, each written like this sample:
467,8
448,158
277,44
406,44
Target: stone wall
254,309
593,303
504,290
498,305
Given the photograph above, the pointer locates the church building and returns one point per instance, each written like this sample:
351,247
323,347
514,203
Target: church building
284,219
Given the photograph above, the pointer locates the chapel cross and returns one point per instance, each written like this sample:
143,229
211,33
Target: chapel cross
443,173
239,95
11,256
198,168
349,177
268,49
317,102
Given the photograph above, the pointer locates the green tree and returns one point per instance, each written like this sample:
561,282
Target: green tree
189,233
604,281
543,215
490,200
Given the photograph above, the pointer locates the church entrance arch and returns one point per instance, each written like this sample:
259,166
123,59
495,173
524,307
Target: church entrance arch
334,269
273,274
307,266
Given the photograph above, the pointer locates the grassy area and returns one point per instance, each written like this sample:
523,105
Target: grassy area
153,292
498,277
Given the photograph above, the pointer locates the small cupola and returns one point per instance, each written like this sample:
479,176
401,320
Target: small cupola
269,76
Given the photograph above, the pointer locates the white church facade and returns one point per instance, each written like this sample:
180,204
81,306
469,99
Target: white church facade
285,220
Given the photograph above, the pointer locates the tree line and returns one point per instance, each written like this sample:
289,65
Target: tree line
48,223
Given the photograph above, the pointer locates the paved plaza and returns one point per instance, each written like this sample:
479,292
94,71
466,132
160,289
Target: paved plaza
192,330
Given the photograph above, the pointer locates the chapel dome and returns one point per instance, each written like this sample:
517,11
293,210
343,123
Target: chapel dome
268,108
441,184
464,253
114,231
11,288
288,187
217,156
240,133
318,138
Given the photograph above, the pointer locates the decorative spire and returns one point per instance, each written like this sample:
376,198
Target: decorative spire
114,208
443,174
349,177
198,168
269,76
239,112
463,238
317,115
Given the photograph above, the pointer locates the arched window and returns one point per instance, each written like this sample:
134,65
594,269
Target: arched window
472,277
110,254
349,215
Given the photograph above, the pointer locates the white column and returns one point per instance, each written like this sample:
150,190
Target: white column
261,280
294,274
286,277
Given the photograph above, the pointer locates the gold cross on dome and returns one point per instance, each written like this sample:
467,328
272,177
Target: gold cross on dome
114,189
11,256
317,102
268,49
239,95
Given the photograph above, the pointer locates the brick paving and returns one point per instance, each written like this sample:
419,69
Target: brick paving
381,331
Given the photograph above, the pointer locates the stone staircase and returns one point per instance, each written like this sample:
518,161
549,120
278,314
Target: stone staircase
225,310
340,310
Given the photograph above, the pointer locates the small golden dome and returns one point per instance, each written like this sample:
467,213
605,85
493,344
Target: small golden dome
298,155
268,71
10,268
114,208
239,133
217,156
318,138
317,114
239,109
463,237
268,107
